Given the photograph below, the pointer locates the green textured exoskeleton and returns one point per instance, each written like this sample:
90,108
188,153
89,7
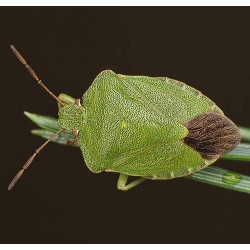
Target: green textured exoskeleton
153,128
138,126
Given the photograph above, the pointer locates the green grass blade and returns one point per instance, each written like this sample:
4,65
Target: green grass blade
48,124
63,138
245,134
45,122
223,178
240,153
211,175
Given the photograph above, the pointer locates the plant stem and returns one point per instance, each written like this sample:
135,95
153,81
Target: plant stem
211,175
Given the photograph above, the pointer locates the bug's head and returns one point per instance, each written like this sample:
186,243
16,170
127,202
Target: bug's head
71,117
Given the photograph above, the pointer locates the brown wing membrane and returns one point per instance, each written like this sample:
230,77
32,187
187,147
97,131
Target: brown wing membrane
212,134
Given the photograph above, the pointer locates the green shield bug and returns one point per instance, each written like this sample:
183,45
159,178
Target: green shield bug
150,127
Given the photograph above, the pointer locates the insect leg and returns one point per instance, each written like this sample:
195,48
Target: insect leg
65,99
121,184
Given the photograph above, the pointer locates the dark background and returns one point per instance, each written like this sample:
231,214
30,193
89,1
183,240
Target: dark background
59,200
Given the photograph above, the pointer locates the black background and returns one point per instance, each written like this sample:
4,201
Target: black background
59,200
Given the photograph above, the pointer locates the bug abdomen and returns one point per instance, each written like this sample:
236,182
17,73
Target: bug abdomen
212,134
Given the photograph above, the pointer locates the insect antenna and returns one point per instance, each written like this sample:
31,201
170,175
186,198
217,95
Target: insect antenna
33,73
30,160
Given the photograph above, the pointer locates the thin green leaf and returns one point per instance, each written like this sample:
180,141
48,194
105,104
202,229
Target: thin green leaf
240,153
63,138
45,122
211,175
223,178
245,134
48,123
